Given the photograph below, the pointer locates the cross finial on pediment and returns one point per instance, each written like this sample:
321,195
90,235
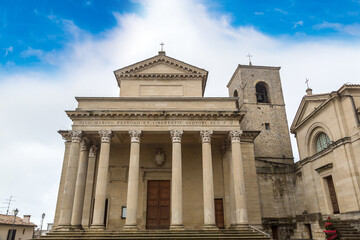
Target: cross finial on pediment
249,56
307,83
162,46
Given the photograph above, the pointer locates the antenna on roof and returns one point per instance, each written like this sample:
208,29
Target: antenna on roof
8,202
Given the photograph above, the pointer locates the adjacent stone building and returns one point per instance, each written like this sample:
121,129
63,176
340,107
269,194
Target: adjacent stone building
13,227
163,156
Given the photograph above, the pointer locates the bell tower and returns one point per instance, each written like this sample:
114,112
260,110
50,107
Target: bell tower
259,93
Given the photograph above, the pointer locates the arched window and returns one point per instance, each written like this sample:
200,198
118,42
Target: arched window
237,101
261,93
236,93
322,142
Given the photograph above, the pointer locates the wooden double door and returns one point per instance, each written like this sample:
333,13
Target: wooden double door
158,204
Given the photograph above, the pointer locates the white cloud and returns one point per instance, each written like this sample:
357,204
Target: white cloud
33,101
351,29
258,13
280,11
8,50
298,23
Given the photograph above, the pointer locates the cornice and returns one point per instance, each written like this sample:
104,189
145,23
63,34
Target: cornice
326,151
160,99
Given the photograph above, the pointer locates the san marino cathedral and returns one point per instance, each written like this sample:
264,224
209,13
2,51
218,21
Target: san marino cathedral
161,161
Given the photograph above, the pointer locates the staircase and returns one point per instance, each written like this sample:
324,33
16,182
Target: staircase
163,235
346,231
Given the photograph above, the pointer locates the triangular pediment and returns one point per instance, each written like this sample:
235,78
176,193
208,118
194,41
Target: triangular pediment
308,105
160,64
162,67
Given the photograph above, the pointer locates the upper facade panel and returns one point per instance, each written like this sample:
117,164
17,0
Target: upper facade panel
161,76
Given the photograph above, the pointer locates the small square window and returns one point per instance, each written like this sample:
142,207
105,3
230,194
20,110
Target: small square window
267,126
123,212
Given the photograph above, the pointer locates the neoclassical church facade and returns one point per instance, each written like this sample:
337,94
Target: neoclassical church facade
162,157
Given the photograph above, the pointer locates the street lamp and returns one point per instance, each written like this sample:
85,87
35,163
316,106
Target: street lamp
42,221
16,211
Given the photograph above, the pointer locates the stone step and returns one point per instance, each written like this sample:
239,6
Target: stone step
163,235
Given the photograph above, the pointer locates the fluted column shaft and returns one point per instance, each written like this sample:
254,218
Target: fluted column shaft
208,182
102,180
70,181
176,221
80,184
133,181
241,216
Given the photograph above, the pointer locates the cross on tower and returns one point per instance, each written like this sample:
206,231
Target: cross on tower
307,82
162,46
249,56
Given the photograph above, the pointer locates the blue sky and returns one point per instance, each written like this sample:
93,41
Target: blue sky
29,27
52,51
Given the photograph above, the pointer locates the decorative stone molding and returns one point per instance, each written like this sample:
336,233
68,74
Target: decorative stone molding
206,135
159,158
93,151
85,144
325,167
176,135
65,135
135,135
106,136
76,136
235,135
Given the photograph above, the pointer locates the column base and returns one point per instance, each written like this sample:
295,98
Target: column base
63,228
76,227
239,226
210,227
177,227
130,228
97,227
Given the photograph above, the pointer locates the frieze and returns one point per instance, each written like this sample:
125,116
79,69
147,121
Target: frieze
154,123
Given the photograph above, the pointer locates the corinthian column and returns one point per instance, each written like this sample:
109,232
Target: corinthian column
208,185
176,181
133,182
102,180
70,181
80,184
67,137
241,217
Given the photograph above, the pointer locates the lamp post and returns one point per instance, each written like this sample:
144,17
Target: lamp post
42,221
16,211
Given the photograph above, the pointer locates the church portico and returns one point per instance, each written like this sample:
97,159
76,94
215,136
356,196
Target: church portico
117,151
157,160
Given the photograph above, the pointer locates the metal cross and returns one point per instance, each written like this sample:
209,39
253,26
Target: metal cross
162,46
249,56
307,82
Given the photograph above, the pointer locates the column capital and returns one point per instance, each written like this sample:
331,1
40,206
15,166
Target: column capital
76,136
206,135
65,134
235,135
85,144
135,135
93,151
106,135
176,135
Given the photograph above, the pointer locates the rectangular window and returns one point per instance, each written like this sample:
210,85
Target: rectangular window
123,212
267,126
11,235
